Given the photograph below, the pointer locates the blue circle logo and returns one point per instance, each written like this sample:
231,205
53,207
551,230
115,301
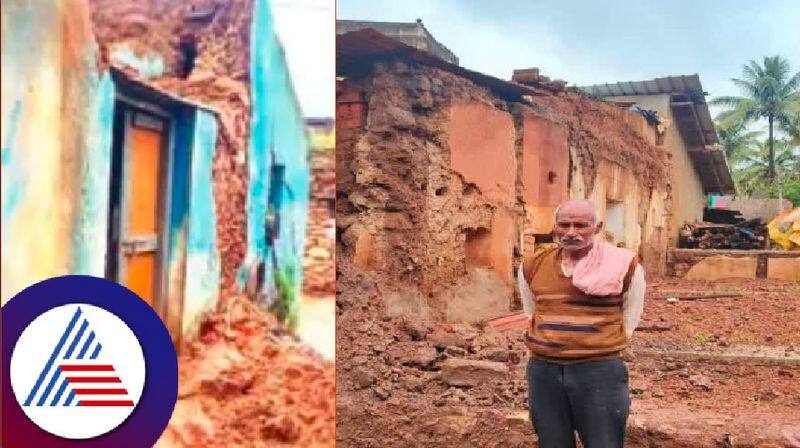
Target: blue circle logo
87,363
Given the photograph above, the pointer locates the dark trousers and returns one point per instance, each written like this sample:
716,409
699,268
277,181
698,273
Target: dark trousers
591,398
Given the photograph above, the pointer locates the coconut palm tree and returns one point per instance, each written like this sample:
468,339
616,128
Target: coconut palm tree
771,92
736,140
754,163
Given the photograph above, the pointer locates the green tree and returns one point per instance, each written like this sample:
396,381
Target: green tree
736,140
754,163
771,92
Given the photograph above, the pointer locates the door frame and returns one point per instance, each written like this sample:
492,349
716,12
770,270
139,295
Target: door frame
129,107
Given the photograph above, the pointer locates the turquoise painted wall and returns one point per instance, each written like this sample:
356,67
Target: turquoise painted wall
202,258
278,136
91,225
55,143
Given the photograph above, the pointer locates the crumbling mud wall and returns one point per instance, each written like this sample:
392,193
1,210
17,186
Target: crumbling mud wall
320,276
437,178
225,55
198,50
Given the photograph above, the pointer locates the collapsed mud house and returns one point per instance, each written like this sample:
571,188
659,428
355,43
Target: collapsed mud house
439,171
446,176
155,143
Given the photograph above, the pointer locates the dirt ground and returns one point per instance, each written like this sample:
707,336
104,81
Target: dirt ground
246,383
440,385
750,319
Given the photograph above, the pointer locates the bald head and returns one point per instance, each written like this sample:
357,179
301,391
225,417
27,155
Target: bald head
581,207
577,221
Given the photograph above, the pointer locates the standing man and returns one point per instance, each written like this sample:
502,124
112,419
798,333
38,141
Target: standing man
585,298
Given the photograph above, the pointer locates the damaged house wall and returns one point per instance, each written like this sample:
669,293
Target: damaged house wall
191,59
688,196
55,143
319,270
437,176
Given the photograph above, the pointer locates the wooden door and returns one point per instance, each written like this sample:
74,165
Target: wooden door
141,220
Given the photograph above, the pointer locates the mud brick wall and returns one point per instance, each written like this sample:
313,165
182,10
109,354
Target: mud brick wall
148,40
319,277
436,175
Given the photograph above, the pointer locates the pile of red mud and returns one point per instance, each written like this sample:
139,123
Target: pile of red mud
246,383
433,384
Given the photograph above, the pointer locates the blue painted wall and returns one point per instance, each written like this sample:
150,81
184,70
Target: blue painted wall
202,258
55,143
91,225
278,136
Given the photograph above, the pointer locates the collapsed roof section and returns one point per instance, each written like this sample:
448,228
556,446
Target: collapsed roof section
355,49
688,104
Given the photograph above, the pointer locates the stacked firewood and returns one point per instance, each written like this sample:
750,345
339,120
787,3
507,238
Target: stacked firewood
747,235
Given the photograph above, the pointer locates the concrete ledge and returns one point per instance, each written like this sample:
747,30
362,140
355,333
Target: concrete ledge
717,264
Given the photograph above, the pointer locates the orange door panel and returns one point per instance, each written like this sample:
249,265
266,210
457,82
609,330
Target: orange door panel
141,219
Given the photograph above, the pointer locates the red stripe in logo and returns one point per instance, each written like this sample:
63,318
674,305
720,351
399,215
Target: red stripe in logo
93,379
106,403
87,368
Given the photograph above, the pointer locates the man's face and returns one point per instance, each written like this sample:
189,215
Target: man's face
575,230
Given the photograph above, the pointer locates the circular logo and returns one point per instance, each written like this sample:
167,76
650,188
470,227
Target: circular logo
78,371
86,363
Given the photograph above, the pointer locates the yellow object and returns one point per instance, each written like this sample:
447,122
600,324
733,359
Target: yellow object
784,230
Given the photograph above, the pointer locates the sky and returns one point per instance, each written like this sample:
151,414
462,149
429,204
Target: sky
306,28
589,42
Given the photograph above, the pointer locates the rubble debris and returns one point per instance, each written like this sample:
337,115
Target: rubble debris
700,381
247,383
416,403
418,354
654,327
704,235
470,373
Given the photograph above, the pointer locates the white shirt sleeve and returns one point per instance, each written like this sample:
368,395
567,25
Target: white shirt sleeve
633,301
525,292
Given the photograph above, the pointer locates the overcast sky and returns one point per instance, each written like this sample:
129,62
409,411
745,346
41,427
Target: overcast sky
590,42
307,29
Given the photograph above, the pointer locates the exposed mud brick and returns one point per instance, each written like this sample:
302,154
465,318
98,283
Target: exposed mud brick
416,328
443,339
319,278
418,354
470,373
155,30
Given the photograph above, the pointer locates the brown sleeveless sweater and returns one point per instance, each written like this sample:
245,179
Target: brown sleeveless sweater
569,326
